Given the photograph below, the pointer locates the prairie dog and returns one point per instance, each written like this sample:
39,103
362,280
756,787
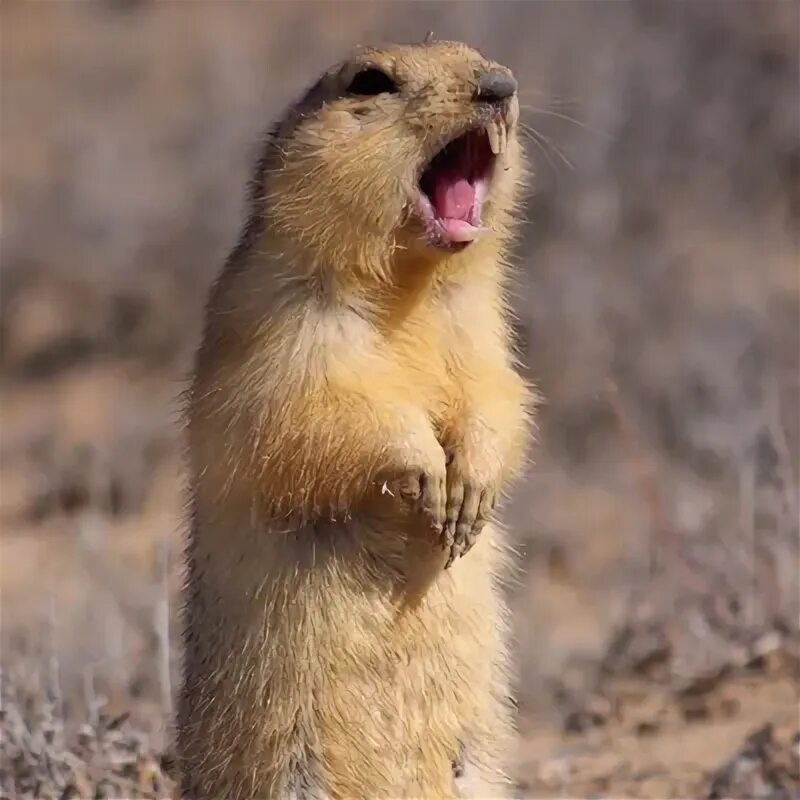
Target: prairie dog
354,415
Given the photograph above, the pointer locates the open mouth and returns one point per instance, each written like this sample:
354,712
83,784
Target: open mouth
455,185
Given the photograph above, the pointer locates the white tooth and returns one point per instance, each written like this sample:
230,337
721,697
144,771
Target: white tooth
513,113
494,139
502,136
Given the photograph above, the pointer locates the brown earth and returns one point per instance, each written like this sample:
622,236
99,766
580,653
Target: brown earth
656,605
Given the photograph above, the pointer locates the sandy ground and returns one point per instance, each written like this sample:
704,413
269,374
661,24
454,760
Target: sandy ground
90,595
657,302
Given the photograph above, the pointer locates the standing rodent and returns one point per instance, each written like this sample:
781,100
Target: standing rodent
354,415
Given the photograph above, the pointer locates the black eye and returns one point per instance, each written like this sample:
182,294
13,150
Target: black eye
372,81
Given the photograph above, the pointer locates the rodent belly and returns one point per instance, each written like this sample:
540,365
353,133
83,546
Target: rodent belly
406,680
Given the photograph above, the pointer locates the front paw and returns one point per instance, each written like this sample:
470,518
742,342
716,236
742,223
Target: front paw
425,489
420,477
470,501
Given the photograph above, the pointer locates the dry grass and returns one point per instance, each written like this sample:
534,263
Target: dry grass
44,756
659,310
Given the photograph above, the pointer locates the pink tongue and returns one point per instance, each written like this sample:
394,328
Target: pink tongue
453,199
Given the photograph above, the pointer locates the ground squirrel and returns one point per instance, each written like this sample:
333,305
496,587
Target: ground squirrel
354,414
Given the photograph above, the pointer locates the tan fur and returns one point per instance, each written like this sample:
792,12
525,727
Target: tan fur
328,651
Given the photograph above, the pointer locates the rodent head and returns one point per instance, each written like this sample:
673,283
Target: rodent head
410,147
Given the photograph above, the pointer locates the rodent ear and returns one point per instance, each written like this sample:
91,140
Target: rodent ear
372,81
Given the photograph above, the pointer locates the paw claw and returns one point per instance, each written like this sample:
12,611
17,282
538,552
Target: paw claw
469,506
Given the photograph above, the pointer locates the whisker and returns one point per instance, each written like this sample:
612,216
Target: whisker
567,118
549,100
532,138
540,137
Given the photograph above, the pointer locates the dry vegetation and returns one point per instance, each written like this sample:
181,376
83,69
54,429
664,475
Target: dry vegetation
657,608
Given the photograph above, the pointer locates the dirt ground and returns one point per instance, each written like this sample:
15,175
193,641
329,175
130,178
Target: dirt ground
656,603
90,573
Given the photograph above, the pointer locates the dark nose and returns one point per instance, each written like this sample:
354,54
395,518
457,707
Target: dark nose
495,86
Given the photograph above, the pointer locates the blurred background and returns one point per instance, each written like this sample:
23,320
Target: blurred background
657,291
